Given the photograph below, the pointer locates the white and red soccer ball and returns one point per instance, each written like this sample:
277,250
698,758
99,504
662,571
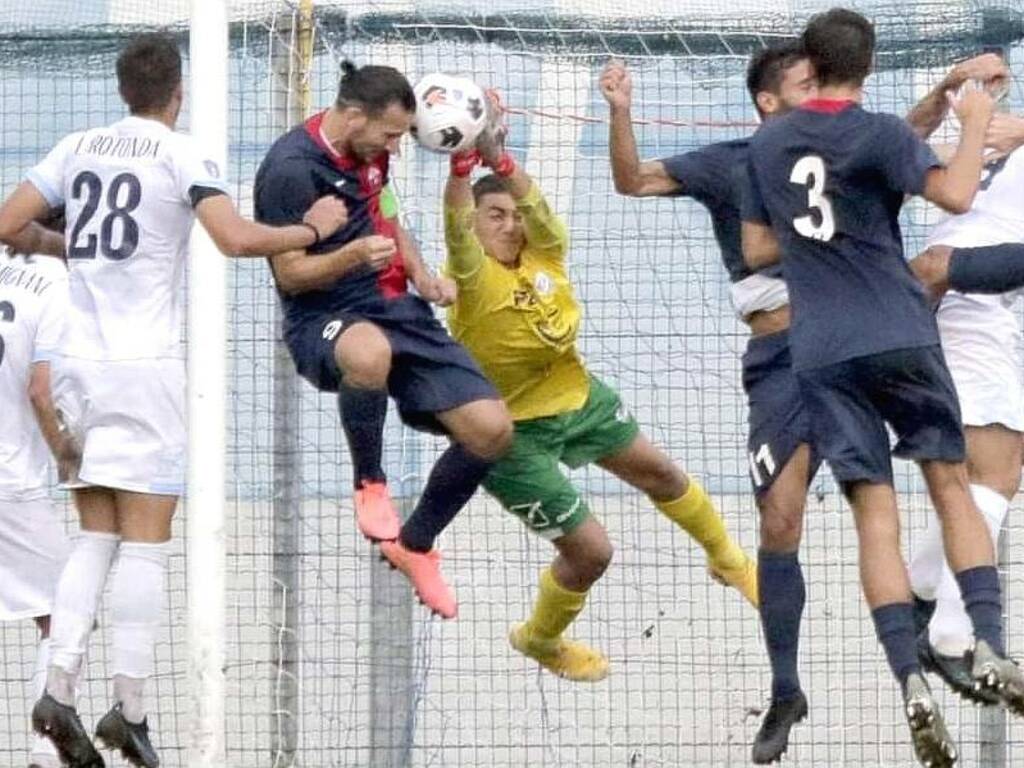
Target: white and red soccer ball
451,112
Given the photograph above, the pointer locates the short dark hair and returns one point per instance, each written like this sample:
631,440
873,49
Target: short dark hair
148,72
766,68
373,89
491,184
841,45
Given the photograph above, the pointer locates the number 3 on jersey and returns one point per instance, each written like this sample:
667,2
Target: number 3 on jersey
809,172
123,196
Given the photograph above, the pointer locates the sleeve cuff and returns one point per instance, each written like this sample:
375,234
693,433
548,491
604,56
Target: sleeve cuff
53,196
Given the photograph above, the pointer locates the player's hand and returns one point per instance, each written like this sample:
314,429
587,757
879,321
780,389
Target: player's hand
69,454
436,290
490,144
973,104
1005,134
989,68
616,85
462,164
327,215
375,251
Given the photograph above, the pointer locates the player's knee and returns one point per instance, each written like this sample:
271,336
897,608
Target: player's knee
492,433
363,355
662,480
781,525
590,559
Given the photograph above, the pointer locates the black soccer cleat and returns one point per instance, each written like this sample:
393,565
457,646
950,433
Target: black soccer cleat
115,732
61,725
772,738
933,745
998,676
955,671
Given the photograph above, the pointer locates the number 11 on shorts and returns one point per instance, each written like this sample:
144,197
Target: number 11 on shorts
762,459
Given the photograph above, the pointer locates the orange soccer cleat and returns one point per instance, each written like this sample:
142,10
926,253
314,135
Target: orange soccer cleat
375,512
423,569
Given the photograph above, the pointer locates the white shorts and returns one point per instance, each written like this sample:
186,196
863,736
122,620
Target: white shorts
130,417
33,549
981,339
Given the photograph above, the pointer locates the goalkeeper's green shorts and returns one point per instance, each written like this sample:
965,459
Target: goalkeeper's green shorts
528,480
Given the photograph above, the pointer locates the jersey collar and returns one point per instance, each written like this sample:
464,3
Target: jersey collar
314,127
827,106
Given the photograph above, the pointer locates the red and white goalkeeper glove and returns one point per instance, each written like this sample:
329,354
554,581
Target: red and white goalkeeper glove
462,164
491,141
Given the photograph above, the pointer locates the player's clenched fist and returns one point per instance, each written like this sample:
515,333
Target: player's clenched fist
327,215
616,85
375,251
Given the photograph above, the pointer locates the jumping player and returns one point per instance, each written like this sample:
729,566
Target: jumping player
517,314
353,327
825,187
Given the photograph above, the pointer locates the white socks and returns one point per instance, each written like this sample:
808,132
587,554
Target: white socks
950,630
137,598
74,612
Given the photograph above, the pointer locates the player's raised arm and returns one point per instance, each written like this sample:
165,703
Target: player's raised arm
236,235
632,176
953,188
989,68
465,254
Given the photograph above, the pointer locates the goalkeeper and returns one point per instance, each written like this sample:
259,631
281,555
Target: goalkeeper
518,316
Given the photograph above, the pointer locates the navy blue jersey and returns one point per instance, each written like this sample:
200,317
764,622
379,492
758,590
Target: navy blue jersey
300,168
830,178
715,177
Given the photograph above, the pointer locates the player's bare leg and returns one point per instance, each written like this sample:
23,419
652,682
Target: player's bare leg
363,355
137,597
886,586
77,599
684,502
994,470
583,555
481,432
783,594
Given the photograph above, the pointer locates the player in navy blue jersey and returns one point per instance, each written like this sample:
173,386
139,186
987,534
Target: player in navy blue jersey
780,457
781,461
826,184
353,327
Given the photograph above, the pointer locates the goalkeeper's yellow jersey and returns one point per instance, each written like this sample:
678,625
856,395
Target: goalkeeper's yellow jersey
519,323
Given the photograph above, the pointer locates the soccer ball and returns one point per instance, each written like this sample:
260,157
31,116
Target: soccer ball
450,112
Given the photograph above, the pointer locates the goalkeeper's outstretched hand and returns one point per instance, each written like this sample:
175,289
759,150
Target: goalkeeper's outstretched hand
491,142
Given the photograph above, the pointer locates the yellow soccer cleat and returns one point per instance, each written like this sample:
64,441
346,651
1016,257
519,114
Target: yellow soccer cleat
566,658
742,577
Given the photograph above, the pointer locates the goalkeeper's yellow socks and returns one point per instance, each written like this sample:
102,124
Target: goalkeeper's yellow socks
696,514
555,609
541,639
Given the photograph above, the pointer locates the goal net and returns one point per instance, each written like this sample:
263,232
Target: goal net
329,661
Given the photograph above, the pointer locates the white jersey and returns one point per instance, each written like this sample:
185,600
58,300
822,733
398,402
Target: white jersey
997,213
33,303
128,193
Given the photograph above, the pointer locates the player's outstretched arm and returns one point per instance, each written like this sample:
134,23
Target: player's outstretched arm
632,176
19,229
953,188
298,272
236,235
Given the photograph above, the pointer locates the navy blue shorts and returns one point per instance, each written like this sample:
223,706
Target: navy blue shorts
778,421
430,371
851,402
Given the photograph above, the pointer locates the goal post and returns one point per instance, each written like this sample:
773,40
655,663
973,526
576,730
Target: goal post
207,382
